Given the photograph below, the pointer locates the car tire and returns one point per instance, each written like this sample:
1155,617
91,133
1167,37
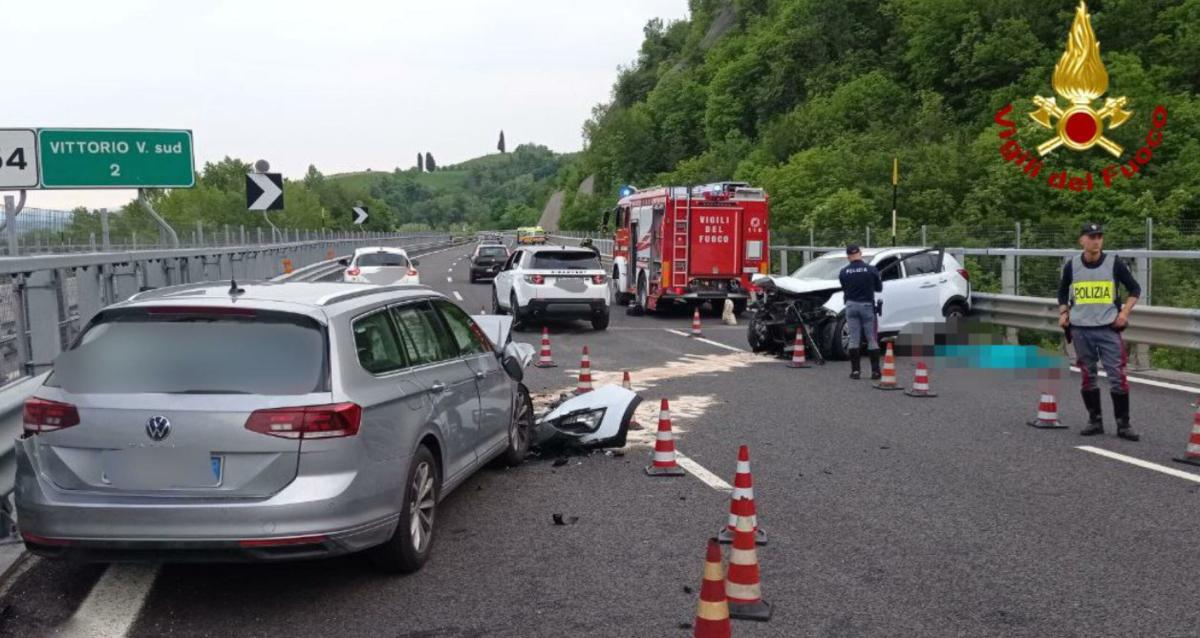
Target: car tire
520,431
838,348
496,309
620,297
955,309
600,322
518,315
640,305
756,336
410,545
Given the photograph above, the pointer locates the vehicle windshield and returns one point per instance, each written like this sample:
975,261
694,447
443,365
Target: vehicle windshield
383,259
823,268
566,260
265,353
492,251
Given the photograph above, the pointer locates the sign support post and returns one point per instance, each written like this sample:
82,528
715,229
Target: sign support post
162,223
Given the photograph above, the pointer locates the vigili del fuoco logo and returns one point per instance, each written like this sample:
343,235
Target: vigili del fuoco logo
1081,79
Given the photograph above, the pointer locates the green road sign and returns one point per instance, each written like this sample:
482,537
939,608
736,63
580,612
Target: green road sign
115,158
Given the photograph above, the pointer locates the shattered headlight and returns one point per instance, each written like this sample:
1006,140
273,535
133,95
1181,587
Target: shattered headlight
582,421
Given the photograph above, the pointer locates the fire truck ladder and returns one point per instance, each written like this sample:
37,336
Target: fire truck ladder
679,258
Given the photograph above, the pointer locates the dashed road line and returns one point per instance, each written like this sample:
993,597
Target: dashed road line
1153,382
457,296
113,604
699,471
703,340
1170,471
449,280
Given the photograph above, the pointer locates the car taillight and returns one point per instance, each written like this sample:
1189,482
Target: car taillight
965,275
535,279
353,272
283,542
47,416
307,422
412,272
599,279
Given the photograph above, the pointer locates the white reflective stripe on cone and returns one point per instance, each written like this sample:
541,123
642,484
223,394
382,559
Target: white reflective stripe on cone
666,457
742,492
1193,449
742,556
737,591
664,435
1047,416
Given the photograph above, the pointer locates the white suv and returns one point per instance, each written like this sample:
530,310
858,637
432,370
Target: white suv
915,289
552,281
381,265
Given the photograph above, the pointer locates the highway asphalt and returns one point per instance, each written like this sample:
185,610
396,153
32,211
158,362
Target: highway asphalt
886,516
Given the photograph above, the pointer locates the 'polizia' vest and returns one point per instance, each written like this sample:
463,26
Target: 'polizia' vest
1093,292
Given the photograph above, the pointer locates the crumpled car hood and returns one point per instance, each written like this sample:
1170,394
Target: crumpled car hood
801,286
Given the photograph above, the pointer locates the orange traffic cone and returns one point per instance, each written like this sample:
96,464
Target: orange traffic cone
1047,414
920,386
585,373
628,385
741,501
888,380
712,614
664,446
545,360
1192,455
696,323
798,358
742,584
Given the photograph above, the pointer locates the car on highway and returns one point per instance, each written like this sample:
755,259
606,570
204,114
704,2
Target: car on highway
381,265
486,260
920,285
539,282
268,421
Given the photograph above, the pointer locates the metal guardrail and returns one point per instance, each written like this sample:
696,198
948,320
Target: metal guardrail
1151,325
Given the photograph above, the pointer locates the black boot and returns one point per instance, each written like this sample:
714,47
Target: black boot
1091,401
1121,413
875,374
855,364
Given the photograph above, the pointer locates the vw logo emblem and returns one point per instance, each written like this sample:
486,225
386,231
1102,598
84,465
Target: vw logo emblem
158,428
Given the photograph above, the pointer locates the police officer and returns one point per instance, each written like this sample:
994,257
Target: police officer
860,281
1090,309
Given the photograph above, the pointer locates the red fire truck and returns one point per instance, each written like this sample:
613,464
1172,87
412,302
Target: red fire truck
688,245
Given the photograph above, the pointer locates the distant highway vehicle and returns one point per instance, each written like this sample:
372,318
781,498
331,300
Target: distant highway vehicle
381,265
539,282
271,422
531,235
687,246
920,285
486,260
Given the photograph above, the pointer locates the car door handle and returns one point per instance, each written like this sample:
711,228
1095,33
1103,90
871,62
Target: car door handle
942,281
929,285
438,387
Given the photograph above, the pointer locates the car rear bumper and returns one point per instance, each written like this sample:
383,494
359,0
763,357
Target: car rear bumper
485,270
315,515
566,307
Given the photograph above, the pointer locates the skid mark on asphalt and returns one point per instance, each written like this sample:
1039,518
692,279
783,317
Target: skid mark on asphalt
113,604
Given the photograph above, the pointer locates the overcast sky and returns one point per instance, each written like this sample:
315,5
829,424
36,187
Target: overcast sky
346,85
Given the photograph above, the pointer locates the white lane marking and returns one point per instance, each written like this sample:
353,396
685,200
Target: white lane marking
1140,463
449,280
1154,382
113,604
702,339
697,470
457,296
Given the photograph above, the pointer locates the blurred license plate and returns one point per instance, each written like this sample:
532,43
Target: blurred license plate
570,284
161,468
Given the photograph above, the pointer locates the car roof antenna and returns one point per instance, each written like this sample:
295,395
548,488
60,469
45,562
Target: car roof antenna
234,289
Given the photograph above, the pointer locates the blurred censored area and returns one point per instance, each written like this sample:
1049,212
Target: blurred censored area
973,345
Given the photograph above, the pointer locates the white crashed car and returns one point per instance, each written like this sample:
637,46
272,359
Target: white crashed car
381,265
552,281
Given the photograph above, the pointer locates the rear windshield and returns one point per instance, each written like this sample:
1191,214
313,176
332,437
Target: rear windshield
492,251
132,351
383,259
566,260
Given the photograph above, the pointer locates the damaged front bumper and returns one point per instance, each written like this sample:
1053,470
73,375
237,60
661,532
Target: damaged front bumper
599,418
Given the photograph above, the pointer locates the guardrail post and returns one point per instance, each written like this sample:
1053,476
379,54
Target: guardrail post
924,242
104,239
199,233
89,293
1140,352
134,240
45,337
1008,286
92,241
10,223
228,237
20,324
783,265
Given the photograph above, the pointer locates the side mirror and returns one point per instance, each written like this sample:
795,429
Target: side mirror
416,262
514,358
344,262
757,278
